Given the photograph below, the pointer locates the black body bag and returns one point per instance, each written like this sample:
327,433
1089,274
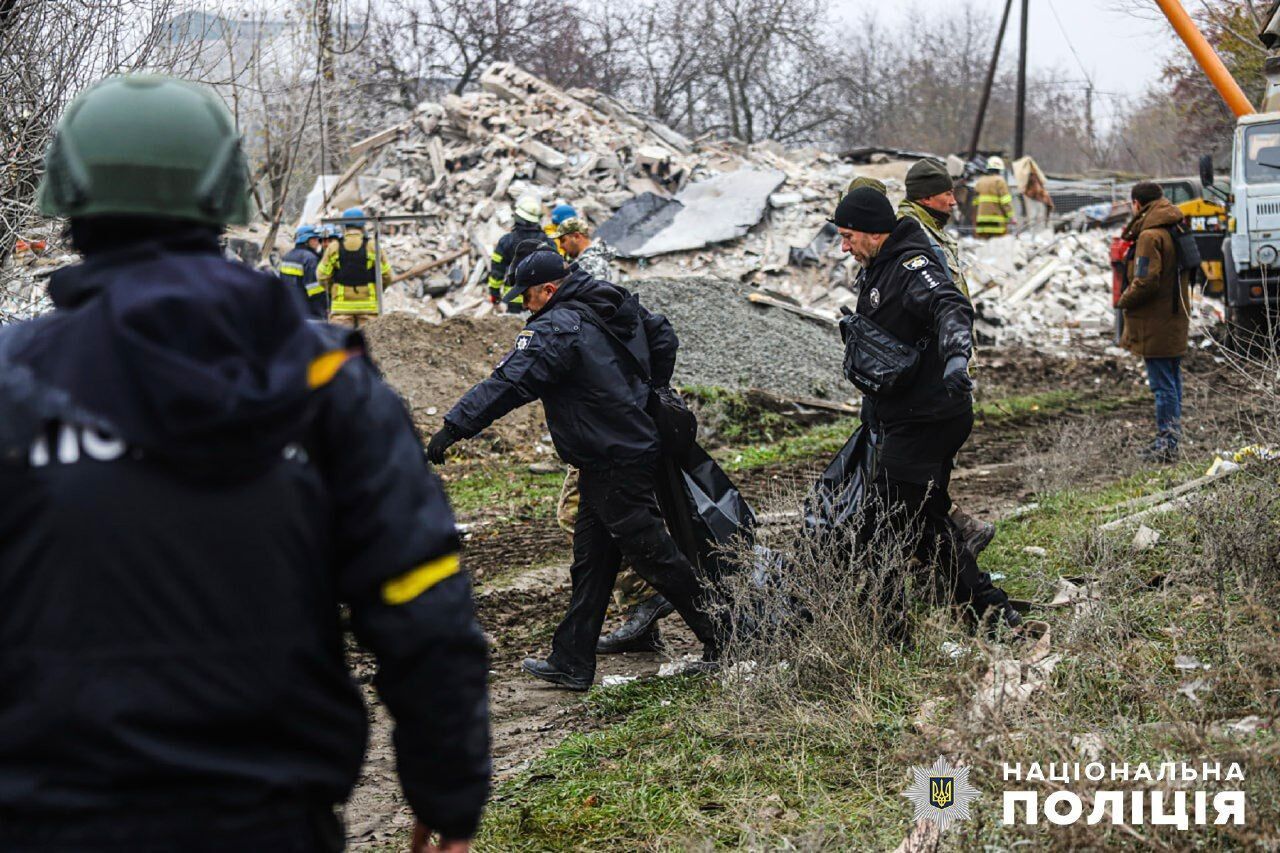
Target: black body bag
875,361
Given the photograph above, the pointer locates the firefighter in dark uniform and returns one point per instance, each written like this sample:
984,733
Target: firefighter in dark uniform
907,293
595,406
526,235
298,267
193,479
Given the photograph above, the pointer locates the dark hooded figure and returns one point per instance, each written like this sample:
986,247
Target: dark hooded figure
579,353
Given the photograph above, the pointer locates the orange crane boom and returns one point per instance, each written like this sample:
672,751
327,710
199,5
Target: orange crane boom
1206,58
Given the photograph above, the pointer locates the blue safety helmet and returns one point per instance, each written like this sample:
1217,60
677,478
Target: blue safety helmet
305,233
353,216
333,231
561,212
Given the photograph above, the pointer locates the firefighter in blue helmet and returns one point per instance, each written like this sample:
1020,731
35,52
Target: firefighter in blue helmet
569,356
347,269
194,480
298,267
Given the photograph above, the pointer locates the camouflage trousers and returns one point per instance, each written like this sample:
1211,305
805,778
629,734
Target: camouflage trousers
629,589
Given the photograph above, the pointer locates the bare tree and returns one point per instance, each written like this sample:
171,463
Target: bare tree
49,51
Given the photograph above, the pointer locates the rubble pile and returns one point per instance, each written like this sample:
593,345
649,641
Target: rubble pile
1039,289
674,207
749,213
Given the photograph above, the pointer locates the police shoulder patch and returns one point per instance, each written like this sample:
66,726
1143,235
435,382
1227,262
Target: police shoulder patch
524,339
915,262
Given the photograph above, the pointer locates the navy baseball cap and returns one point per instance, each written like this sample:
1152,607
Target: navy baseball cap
539,268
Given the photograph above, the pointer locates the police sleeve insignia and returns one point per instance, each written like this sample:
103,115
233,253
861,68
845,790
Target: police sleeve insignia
915,263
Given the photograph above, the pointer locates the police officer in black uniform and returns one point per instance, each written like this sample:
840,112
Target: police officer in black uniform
907,294
193,478
569,355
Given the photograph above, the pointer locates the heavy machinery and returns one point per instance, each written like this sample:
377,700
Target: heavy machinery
1250,251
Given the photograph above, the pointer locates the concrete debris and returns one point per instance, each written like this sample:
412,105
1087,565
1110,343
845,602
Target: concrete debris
617,680
1145,539
686,665
749,213
719,209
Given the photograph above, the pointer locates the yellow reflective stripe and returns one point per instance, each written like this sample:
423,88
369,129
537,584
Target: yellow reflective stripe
354,303
290,268
325,366
988,199
315,289
496,258
992,217
1006,199
414,583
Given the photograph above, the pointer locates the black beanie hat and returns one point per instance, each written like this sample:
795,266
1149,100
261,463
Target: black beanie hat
1145,192
927,177
865,210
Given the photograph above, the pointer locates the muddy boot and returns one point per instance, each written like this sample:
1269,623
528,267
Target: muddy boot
976,534
640,632
548,672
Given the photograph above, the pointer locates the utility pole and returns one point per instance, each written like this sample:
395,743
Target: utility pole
1021,123
991,77
1088,122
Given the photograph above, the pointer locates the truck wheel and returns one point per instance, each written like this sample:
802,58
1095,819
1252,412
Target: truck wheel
1247,328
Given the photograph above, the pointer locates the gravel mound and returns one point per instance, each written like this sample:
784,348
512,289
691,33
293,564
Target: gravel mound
732,343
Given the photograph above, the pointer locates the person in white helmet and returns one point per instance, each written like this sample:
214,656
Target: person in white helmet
993,203
528,227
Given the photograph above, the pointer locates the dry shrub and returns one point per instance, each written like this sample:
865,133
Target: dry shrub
1077,451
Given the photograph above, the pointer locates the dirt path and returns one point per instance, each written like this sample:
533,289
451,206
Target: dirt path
995,474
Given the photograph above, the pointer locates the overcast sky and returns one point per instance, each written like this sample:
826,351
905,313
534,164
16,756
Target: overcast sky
1120,52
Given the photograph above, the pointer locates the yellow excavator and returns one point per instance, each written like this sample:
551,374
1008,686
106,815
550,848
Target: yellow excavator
1240,225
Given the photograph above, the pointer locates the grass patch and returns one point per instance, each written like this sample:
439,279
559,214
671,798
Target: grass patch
510,491
820,765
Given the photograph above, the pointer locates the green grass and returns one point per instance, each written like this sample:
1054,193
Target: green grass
673,769
513,491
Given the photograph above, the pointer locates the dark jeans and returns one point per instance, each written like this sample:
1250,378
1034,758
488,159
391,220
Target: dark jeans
910,503
1164,375
618,514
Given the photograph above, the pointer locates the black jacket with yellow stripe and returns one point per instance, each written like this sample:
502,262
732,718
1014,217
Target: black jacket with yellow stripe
193,479
298,268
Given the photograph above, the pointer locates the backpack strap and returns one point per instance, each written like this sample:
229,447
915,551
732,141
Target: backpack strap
596,320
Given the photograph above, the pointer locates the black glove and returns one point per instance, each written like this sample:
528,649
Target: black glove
440,442
955,377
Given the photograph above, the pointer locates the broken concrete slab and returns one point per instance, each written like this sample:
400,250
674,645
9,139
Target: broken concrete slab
704,213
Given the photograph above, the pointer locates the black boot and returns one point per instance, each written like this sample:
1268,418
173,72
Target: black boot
640,632
548,672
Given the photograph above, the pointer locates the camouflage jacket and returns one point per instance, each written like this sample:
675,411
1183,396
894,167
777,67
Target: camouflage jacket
948,248
597,261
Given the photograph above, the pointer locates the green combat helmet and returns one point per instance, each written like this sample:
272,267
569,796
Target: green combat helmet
147,146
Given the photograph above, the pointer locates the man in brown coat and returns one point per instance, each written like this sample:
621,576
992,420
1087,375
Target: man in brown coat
1156,315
